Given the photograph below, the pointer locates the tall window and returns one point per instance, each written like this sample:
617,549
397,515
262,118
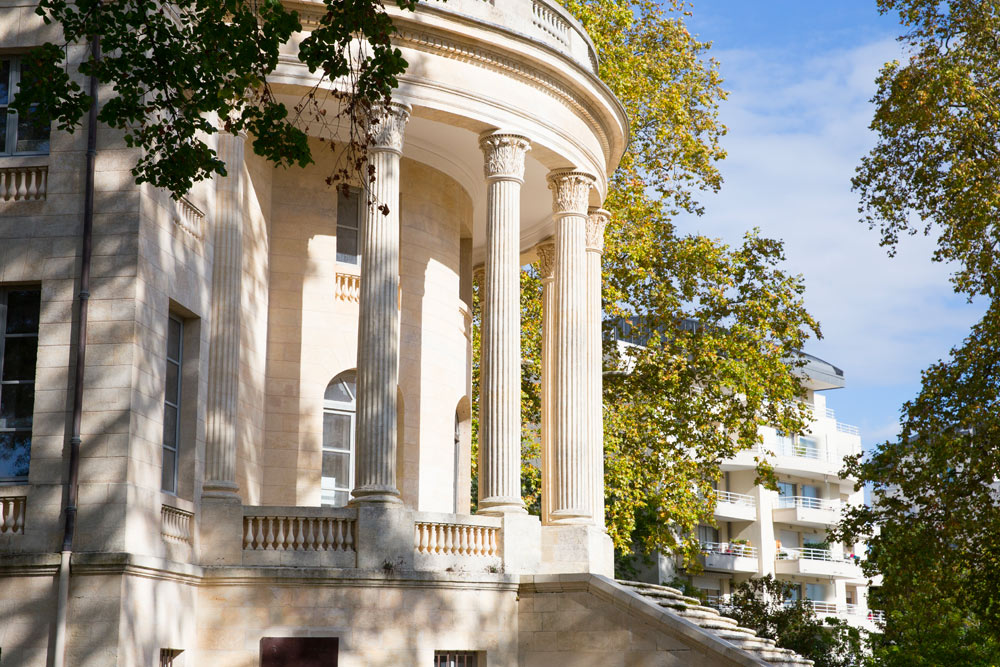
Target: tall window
708,534
19,309
349,211
19,135
172,404
339,409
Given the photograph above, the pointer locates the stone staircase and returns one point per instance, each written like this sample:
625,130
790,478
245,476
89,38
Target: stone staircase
689,608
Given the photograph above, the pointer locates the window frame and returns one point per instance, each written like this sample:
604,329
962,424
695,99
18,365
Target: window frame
4,336
345,258
10,141
177,404
349,410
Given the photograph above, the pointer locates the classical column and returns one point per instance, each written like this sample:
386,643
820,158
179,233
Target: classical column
572,500
596,222
500,388
546,269
378,317
224,354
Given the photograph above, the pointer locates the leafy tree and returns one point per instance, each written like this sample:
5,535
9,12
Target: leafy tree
764,605
935,513
176,67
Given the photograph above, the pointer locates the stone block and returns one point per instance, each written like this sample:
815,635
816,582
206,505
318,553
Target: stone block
221,531
385,537
576,548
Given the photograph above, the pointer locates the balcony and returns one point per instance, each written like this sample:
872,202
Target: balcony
804,511
735,506
809,562
728,557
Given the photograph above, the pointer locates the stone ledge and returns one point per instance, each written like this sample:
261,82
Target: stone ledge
633,603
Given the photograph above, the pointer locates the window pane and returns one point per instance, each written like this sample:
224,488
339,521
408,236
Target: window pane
173,339
19,358
173,372
786,489
816,592
810,491
15,451
347,245
336,431
16,403
170,426
169,462
336,466
4,82
32,135
341,498
22,311
3,130
337,391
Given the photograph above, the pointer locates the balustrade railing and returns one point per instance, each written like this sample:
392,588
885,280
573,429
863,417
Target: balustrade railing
735,498
262,532
23,183
729,549
809,553
176,524
12,514
451,539
808,503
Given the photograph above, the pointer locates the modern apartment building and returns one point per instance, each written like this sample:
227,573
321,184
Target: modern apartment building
783,532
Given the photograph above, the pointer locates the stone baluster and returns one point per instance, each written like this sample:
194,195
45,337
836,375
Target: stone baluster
596,223
378,316
500,391
572,457
546,269
224,356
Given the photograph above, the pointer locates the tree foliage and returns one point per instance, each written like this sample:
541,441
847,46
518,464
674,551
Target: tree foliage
764,605
177,68
936,165
692,395
935,513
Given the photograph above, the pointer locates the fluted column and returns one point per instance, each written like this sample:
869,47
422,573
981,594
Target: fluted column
546,269
500,389
596,222
224,354
572,500
378,319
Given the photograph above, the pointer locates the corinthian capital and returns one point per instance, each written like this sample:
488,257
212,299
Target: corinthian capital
546,259
570,191
387,125
504,155
596,222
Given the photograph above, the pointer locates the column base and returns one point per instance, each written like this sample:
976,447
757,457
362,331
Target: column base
385,538
576,548
375,495
521,547
500,506
222,490
220,530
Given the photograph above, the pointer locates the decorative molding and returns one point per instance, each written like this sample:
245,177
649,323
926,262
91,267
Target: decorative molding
570,191
24,183
546,259
504,155
387,125
448,48
597,222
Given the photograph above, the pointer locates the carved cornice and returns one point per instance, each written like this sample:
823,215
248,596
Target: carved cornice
546,259
504,155
387,125
597,221
570,191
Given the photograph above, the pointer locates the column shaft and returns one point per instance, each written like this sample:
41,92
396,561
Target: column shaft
573,458
596,223
500,392
378,318
224,355
546,264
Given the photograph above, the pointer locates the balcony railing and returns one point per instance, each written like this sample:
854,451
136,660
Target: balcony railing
735,498
809,553
806,502
729,549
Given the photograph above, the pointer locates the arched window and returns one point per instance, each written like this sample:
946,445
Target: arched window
339,408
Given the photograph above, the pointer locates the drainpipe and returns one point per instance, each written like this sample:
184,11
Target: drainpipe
69,511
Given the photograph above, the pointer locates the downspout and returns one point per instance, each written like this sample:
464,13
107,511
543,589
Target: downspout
69,511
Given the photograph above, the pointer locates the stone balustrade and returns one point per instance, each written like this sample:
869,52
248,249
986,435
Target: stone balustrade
267,532
456,539
189,218
26,183
348,287
176,525
12,515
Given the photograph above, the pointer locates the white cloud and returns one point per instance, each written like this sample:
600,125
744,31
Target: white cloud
797,131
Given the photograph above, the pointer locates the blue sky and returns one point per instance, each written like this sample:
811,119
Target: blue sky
800,74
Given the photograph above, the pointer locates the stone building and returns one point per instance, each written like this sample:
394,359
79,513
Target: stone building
274,415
